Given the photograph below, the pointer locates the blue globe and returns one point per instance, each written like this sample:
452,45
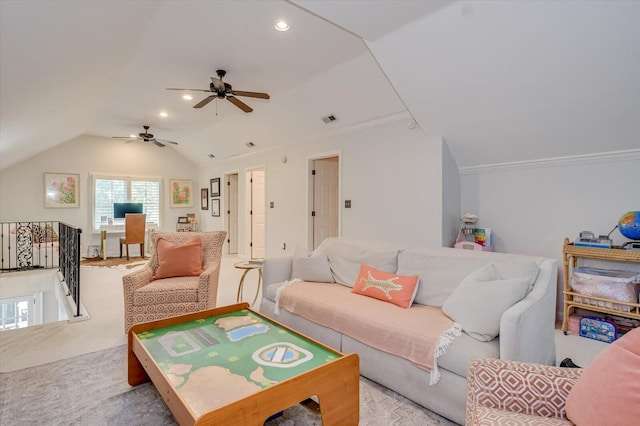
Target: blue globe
629,225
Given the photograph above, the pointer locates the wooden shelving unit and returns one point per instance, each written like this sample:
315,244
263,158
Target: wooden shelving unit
571,254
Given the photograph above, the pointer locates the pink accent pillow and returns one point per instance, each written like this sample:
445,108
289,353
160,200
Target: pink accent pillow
608,390
179,261
397,289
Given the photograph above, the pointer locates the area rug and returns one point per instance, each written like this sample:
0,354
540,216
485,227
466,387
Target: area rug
114,261
92,390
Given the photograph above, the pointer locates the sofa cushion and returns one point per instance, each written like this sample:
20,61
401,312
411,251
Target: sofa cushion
168,290
463,348
397,289
312,266
419,334
345,256
608,391
442,269
477,304
178,261
439,274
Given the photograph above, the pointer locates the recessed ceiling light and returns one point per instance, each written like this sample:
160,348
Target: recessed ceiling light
163,114
187,97
282,25
133,136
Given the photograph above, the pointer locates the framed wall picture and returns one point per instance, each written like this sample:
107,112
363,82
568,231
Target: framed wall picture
61,190
181,193
215,207
204,198
215,187
183,219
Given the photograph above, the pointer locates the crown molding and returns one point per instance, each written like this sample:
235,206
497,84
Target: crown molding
627,155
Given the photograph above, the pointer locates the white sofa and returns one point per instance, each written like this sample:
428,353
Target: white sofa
525,325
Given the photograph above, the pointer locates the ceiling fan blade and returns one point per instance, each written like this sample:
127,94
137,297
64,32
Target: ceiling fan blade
250,94
205,101
192,90
155,141
237,102
165,141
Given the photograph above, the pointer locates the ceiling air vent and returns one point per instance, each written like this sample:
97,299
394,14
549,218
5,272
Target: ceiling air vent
212,156
250,144
328,119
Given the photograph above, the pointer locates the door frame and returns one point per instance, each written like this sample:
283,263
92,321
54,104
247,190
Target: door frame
309,209
247,215
226,201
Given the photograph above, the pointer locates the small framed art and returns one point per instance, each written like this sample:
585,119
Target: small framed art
215,207
204,198
215,187
181,193
61,190
183,219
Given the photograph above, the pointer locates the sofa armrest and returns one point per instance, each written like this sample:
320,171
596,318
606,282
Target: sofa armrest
276,270
208,285
527,329
137,279
514,386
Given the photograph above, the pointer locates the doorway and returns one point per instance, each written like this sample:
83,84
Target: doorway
257,213
324,184
231,224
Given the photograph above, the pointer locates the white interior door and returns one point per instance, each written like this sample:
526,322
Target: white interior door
325,177
232,213
257,213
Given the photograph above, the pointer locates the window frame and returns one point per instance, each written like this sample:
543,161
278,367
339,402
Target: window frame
128,179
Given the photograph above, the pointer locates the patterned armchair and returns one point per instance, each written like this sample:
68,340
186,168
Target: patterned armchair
149,300
501,392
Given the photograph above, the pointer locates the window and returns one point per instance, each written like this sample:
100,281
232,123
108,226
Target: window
15,312
116,189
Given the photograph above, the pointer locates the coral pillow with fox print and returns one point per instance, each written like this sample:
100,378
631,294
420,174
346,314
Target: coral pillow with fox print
397,289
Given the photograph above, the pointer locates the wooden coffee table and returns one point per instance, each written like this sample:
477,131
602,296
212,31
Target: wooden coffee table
232,365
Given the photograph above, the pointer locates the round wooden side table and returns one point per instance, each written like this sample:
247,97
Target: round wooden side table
246,266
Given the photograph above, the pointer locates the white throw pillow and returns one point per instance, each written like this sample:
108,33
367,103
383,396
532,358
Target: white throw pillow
313,267
477,304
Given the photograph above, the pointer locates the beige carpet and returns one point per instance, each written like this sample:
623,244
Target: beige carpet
92,390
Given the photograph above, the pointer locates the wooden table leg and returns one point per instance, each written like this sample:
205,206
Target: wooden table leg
103,244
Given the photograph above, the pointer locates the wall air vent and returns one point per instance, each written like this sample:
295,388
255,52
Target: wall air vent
328,119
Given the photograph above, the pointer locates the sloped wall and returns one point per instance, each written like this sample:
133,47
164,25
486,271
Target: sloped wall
22,185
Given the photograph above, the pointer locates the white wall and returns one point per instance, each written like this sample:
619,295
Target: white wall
391,174
451,198
533,207
22,185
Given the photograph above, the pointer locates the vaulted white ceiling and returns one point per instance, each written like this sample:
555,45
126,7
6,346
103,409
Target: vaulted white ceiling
499,81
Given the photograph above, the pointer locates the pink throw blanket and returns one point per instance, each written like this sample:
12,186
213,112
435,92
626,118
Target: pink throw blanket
419,334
